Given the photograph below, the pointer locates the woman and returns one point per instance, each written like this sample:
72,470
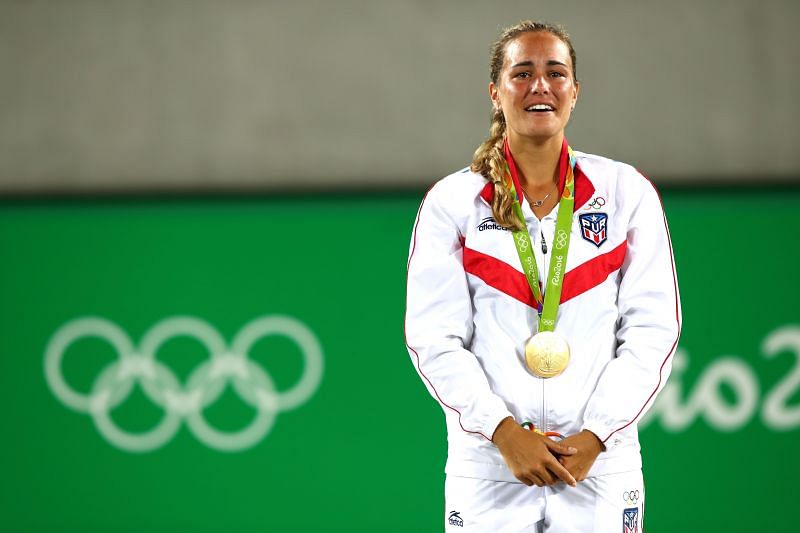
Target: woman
542,310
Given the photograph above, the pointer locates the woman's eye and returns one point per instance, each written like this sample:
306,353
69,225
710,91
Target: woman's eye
556,75
524,75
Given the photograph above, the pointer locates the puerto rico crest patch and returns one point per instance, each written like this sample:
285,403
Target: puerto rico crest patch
630,520
594,227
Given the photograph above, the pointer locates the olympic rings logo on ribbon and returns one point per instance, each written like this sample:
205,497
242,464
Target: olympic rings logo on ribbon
561,239
522,242
203,387
631,497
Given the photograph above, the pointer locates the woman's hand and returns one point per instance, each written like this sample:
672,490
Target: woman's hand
532,458
588,447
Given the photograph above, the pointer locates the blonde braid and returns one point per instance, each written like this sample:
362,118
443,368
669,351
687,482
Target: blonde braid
490,162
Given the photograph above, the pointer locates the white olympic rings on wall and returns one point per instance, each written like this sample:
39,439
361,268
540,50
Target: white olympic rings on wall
203,386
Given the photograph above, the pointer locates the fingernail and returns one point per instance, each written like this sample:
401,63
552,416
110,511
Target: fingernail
573,450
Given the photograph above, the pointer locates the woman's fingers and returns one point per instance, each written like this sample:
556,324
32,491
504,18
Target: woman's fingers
538,481
560,449
563,474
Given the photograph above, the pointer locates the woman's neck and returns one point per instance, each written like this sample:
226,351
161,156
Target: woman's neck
537,162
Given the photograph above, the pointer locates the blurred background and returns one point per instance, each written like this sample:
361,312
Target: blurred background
205,210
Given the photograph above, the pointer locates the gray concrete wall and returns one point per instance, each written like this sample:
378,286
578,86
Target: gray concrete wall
176,94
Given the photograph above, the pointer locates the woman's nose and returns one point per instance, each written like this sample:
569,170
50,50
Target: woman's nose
539,85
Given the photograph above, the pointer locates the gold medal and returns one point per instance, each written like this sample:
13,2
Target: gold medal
547,354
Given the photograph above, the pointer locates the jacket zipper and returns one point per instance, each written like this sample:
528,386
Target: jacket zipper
543,416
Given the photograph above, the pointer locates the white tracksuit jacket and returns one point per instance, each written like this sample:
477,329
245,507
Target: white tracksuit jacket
470,311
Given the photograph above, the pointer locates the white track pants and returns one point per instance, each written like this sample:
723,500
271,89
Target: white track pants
609,503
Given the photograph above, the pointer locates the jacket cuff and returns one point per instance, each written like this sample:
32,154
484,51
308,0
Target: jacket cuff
602,432
493,420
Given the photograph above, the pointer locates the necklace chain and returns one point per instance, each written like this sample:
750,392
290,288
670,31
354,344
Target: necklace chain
540,203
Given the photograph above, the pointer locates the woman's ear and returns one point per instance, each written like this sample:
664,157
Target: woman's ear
493,96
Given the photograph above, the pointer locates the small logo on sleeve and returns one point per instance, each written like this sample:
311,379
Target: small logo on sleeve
594,227
455,519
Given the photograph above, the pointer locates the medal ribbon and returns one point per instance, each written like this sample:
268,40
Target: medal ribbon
546,304
530,427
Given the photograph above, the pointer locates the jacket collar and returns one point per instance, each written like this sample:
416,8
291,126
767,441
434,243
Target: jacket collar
584,189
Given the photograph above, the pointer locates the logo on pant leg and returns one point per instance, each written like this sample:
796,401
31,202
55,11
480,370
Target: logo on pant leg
454,519
630,520
631,497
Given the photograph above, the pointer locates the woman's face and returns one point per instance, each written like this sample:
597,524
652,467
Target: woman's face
535,89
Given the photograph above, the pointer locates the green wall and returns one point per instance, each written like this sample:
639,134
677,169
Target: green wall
363,447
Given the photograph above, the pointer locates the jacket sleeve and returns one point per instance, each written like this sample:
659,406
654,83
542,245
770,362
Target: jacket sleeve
439,321
649,324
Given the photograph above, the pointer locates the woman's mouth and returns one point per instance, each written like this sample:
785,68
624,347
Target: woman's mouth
539,108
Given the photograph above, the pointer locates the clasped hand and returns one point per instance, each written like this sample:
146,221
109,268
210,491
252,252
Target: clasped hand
537,460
